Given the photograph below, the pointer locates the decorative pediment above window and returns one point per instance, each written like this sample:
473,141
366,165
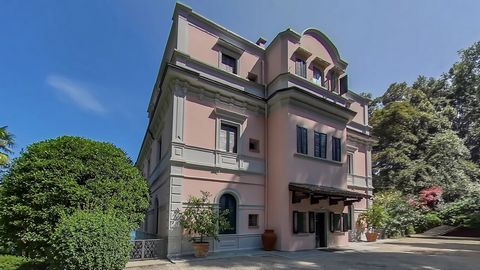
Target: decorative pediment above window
338,70
230,115
235,50
318,62
302,53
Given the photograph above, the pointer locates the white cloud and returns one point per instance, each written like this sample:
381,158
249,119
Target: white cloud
76,92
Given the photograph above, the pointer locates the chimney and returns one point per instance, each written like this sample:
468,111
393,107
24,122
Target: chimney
261,42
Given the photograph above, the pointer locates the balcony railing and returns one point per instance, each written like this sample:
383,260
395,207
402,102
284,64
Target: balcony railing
147,249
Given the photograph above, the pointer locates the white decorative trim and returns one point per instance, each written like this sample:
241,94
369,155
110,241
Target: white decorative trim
216,159
359,181
318,159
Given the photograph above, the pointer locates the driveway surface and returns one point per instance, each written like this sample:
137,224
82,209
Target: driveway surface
406,253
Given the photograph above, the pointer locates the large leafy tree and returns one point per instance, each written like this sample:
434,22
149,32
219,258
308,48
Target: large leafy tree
6,144
416,146
56,177
464,96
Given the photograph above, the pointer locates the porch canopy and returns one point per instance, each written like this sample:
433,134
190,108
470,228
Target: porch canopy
316,193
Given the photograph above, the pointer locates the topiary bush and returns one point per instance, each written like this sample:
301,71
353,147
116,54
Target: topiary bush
91,240
58,176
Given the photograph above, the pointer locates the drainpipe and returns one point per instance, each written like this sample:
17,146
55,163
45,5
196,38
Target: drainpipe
265,211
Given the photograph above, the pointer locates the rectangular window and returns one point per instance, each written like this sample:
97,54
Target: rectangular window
320,144
254,145
335,222
228,138
350,163
347,220
299,222
159,149
317,76
253,220
302,137
311,222
229,63
336,149
301,68
333,82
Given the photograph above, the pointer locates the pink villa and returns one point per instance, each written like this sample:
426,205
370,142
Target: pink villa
271,131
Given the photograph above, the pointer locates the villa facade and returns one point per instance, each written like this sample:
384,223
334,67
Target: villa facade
272,132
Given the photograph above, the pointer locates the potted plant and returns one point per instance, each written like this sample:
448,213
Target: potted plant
201,220
374,218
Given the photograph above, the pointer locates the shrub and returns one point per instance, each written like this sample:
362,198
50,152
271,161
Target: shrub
91,240
401,216
465,211
10,262
58,176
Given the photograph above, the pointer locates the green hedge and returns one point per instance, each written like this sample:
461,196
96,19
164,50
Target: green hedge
10,262
91,240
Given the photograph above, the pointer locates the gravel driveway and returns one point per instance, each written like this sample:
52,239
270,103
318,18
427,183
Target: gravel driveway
406,253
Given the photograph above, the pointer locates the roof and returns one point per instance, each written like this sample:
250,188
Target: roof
324,190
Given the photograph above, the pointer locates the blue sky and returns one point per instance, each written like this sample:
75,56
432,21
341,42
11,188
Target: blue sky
87,68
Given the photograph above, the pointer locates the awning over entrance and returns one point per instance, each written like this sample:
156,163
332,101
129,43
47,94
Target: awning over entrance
316,193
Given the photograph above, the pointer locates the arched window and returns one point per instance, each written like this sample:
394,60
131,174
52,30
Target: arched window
156,215
227,201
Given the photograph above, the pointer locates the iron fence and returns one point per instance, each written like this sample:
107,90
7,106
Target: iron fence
146,249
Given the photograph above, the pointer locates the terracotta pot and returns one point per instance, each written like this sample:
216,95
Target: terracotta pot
268,240
371,236
200,249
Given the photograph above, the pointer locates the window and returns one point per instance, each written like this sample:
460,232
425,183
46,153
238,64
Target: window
229,63
350,163
157,212
302,145
300,68
254,145
317,76
148,167
311,222
336,149
253,220
320,141
228,202
335,222
159,150
333,82
347,220
228,138
299,222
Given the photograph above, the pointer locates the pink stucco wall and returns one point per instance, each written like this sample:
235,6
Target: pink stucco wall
202,46
360,110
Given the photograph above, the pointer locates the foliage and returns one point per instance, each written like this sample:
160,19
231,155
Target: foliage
374,217
465,211
10,262
91,240
464,95
417,147
431,197
58,176
401,216
200,219
6,144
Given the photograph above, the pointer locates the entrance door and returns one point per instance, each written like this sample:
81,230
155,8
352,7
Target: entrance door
320,235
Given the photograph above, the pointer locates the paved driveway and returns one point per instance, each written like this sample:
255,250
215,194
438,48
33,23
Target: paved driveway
407,253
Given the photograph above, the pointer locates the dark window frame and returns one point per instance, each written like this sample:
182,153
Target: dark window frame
301,67
252,224
319,71
320,144
256,145
230,61
335,222
311,222
350,163
302,140
299,216
336,149
228,201
230,128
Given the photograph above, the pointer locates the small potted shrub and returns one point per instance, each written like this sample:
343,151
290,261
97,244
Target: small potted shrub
375,218
201,220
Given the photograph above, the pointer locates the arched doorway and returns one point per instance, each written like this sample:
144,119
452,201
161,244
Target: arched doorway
227,201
